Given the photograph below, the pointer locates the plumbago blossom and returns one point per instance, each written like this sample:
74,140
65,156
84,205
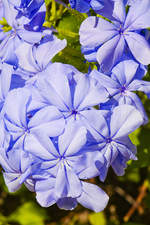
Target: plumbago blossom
5,82
38,56
105,42
61,170
102,7
84,6
110,138
21,29
58,126
121,84
24,128
27,8
20,126
72,92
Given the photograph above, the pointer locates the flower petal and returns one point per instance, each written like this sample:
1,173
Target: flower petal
136,42
110,52
93,197
124,120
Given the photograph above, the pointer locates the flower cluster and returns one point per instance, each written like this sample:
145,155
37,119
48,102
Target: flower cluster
60,127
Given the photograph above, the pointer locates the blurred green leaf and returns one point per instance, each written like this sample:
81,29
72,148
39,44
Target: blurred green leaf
97,219
28,214
47,2
133,223
141,139
3,220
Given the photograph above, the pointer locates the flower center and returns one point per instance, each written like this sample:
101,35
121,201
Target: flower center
26,130
123,89
74,112
121,30
108,140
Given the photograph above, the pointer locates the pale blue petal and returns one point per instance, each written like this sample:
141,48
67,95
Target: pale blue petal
46,51
95,31
46,198
140,85
61,185
124,120
74,184
136,42
95,123
119,165
29,36
110,52
12,181
84,85
72,140
138,16
104,80
26,59
95,95
55,87
67,203
96,4
122,72
37,148
136,102
5,80
93,197
47,120
119,12
14,101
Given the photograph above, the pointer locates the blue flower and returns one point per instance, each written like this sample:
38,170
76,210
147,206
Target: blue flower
72,92
121,84
21,124
5,83
18,168
110,138
27,8
34,59
84,6
58,180
105,42
22,29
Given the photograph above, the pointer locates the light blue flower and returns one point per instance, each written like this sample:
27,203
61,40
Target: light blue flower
18,168
110,138
33,59
5,83
106,42
27,8
20,123
22,29
125,78
58,180
84,6
72,92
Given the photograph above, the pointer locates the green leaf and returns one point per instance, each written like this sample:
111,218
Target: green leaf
74,57
47,2
141,139
69,25
28,214
97,218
